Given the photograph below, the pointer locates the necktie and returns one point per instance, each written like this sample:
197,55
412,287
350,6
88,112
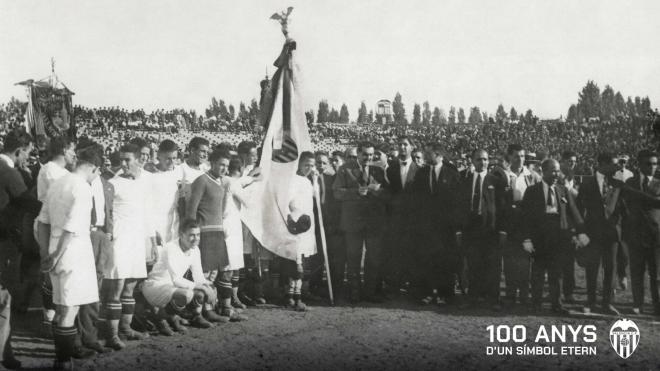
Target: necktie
476,194
93,212
550,192
604,190
321,188
645,184
365,175
433,180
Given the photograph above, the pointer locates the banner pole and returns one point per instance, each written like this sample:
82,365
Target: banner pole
323,243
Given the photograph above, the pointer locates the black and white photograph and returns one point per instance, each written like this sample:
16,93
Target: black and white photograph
329,185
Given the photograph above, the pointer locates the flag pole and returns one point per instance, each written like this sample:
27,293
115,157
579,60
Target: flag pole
323,243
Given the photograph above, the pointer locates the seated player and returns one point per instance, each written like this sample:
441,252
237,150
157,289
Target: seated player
167,289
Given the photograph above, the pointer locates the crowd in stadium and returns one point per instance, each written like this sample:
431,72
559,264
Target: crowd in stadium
156,243
543,138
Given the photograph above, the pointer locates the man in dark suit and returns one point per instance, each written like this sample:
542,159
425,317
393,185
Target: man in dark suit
567,165
477,212
600,203
437,258
516,179
641,229
547,207
363,191
397,262
14,199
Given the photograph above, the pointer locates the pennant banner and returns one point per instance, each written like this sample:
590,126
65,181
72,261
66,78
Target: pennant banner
50,110
286,137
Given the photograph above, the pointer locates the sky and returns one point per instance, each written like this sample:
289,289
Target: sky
179,53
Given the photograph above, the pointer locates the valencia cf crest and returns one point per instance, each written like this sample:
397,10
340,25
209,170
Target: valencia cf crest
624,336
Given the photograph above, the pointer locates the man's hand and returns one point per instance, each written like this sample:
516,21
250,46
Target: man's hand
47,264
256,174
155,252
583,239
373,187
528,246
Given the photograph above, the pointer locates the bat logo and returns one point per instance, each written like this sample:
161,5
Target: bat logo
624,337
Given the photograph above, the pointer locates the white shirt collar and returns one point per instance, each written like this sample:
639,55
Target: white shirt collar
525,172
482,173
8,160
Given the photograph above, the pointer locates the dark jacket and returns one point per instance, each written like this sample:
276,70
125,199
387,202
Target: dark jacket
592,208
394,178
641,222
509,213
15,200
438,207
403,206
488,201
533,206
330,206
360,212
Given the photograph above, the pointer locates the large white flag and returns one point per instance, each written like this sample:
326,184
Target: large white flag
268,201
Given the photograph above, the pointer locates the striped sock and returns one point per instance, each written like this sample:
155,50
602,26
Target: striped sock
223,287
235,279
297,286
127,305
112,310
64,338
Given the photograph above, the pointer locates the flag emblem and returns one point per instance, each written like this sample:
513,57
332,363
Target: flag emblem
624,337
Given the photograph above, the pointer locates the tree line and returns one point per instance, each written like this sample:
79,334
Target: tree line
223,112
606,105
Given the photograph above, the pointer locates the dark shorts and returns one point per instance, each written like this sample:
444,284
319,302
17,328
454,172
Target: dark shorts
289,269
213,251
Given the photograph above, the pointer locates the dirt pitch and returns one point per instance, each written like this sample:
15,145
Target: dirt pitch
398,335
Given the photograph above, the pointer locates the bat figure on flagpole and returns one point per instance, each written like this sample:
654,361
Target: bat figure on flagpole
283,18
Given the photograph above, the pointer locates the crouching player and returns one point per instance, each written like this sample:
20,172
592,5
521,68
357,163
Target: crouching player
170,292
